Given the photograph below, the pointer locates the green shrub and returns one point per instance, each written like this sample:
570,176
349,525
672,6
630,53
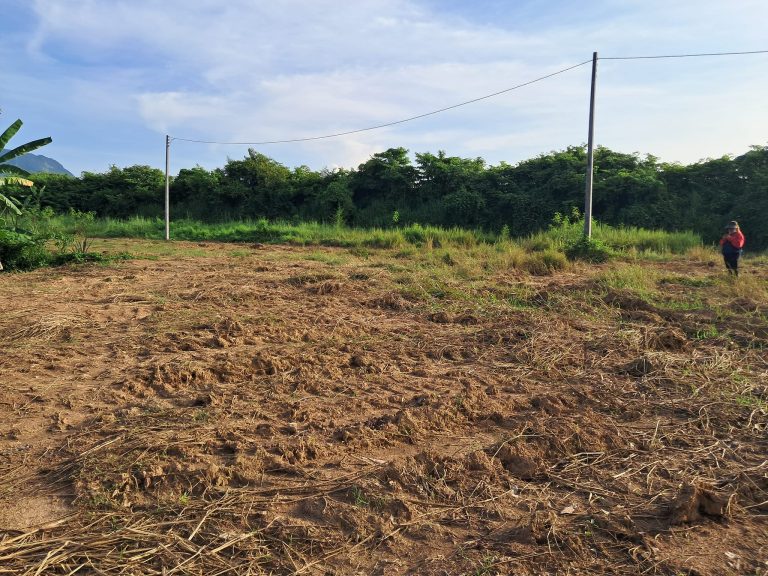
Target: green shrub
646,241
83,257
504,235
546,262
378,239
589,250
539,243
566,233
554,260
415,234
21,251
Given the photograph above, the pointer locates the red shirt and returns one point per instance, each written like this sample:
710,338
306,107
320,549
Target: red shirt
735,239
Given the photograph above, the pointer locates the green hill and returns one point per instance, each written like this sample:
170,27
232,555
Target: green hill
36,163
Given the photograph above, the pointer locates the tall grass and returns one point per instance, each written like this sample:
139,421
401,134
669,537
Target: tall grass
746,287
305,233
638,279
630,240
627,239
658,241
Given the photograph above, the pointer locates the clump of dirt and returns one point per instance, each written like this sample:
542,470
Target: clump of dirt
391,301
440,317
667,338
694,503
143,482
522,460
638,367
551,404
327,287
628,301
229,331
443,317
643,316
266,364
174,377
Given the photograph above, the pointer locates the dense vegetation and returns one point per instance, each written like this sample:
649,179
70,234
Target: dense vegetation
391,190
30,234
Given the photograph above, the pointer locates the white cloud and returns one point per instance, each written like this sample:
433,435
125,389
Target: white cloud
246,70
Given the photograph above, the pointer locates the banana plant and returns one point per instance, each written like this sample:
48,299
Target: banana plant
10,174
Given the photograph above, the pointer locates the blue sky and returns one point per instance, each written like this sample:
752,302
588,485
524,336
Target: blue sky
107,79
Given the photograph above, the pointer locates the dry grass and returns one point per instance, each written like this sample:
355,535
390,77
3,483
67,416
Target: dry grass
386,414
33,324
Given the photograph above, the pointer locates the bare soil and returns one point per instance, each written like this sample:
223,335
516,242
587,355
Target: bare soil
275,410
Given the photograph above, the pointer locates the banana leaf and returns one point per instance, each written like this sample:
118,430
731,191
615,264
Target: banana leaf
15,180
24,148
10,169
9,204
9,133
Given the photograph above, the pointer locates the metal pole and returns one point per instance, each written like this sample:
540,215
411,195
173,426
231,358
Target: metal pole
590,153
167,188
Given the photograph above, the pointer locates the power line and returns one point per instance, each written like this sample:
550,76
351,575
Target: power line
682,55
438,111
539,79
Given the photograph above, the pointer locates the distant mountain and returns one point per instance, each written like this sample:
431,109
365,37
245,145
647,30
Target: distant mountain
33,163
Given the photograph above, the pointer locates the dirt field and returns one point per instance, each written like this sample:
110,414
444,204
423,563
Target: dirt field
210,409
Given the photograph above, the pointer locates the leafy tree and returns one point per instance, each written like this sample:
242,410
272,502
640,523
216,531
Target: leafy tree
257,186
450,189
751,204
382,184
195,193
439,189
335,198
18,249
629,190
527,195
10,174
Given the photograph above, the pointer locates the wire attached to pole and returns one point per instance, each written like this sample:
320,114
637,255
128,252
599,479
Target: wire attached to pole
438,111
683,55
539,79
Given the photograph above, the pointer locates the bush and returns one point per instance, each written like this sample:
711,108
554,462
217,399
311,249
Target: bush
539,243
20,251
554,260
589,250
546,262
63,258
415,234
380,239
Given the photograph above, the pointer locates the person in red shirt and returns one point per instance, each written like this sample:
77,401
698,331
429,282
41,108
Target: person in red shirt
732,244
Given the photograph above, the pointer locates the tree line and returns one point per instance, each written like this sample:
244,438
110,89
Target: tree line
391,189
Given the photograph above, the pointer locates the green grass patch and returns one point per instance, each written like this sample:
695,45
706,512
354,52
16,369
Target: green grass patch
688,281
745,287
544,263
560,235
639,279
706,333
567,233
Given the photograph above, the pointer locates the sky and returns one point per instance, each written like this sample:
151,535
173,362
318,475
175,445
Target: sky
108,79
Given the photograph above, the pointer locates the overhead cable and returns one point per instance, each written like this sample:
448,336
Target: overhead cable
681,55
438,111
539,79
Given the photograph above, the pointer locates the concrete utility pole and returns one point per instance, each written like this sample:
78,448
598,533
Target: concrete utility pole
590,154
167,187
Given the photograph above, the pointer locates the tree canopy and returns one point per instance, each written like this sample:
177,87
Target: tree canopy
439,189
